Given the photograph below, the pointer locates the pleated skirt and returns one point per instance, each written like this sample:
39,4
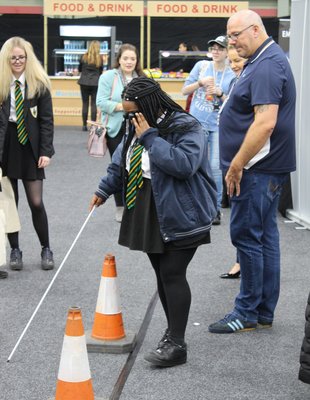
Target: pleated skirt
140,228
18,160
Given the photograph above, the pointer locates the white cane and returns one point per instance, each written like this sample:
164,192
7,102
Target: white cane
51,284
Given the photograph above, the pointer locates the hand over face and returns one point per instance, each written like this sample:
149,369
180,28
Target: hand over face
140,123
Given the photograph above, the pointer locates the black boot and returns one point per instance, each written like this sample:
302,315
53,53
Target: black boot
169,354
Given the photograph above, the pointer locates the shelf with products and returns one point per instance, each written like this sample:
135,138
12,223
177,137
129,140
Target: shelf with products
76,40
71,60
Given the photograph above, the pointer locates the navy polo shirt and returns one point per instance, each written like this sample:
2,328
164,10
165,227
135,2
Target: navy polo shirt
266,79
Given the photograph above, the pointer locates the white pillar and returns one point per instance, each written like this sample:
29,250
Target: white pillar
300,61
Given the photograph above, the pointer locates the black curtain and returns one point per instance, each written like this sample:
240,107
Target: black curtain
166,33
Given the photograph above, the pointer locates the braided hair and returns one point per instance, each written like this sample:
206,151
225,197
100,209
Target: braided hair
151,100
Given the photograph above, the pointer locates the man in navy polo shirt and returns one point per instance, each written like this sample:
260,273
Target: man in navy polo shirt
257,150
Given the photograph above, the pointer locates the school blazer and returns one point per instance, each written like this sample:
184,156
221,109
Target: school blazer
39,122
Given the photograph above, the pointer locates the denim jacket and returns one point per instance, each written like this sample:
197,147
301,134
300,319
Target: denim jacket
183,187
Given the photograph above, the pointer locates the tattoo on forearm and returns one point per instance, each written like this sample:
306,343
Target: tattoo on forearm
262,108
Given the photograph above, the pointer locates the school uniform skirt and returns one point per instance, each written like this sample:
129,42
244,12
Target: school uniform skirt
140,228
18,160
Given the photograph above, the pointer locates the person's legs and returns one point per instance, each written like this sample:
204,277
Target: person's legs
173,288
254,232
85,103
271,252
155,261
14,236
214,158
93,107
33,191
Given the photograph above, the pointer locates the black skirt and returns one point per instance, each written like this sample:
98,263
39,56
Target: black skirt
18,160
140,228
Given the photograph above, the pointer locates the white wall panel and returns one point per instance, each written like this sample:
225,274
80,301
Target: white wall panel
300,61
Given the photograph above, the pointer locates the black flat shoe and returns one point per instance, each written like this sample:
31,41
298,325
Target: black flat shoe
227,275
217,219
3,274
164,338
16,260
169,354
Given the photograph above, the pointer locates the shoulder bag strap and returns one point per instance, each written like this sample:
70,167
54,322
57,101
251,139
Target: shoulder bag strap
111,94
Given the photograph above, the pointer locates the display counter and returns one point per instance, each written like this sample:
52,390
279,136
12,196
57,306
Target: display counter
67,102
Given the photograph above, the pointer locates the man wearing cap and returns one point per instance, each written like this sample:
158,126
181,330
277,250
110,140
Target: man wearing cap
257,147
209,81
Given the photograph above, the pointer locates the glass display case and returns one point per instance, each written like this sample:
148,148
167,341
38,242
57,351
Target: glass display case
174,60
76,39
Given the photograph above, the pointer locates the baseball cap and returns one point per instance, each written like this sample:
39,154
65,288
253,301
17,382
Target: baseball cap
220,40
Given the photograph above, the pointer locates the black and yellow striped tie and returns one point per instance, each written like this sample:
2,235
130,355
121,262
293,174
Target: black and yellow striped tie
135,180
19,105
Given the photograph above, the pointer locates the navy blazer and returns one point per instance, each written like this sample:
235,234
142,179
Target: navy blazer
39,121
182,183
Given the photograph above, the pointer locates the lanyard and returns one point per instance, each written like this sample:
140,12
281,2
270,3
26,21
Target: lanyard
215,74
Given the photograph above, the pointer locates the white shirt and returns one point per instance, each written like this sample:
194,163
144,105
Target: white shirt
146,171
22,80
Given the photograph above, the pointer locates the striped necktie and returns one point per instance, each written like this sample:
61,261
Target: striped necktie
19,105
135,180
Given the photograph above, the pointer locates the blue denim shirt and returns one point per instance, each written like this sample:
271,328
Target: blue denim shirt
183,187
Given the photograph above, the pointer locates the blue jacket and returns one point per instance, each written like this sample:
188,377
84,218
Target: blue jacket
182,184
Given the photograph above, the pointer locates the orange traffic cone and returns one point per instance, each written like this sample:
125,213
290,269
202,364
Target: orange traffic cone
108,323
74,380
108,334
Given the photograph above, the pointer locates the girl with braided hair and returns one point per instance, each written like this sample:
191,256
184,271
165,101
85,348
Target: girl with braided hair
162,166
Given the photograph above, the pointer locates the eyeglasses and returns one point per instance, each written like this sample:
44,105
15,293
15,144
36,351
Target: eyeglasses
234,36
216,49
14,59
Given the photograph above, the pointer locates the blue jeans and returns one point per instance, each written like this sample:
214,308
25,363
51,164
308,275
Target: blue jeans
214,159
254,232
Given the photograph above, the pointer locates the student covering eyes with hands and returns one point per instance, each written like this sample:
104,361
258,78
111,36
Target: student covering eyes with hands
162,166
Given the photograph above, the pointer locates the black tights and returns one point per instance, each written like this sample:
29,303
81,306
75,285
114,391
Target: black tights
173,289
33,191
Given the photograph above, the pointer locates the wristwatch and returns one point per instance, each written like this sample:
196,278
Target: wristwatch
221,95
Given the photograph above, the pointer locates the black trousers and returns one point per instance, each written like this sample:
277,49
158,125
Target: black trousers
89,93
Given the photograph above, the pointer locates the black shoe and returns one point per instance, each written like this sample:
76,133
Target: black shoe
84,129
47,261
227,275
3,274
217,219
169,354
164,338
261,324
16,260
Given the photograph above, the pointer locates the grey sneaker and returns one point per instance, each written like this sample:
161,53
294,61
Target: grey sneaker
47,260
16,260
